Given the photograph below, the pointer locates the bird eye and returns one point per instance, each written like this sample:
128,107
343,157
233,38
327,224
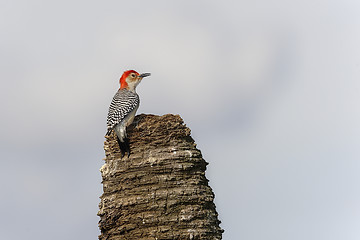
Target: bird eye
133,75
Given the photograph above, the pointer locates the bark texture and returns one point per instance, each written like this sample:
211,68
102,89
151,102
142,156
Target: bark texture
161,191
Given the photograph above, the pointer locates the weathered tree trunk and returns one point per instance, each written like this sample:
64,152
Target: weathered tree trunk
161,191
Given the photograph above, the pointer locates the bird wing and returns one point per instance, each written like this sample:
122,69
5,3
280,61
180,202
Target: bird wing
121,105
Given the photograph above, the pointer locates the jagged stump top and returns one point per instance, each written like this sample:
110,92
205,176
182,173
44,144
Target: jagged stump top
161,191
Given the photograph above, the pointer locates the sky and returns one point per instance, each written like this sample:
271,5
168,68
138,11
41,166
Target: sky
269,88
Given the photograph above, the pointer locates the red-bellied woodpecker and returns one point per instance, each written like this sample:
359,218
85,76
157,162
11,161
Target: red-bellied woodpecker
123,108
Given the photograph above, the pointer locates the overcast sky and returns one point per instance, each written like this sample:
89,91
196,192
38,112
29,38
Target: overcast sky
269,88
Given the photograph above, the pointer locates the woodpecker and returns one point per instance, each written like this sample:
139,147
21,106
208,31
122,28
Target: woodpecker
123,108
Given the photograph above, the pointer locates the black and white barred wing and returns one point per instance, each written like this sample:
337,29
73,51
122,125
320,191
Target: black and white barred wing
123,103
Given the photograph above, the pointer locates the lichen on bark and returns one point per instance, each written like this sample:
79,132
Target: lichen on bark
161,191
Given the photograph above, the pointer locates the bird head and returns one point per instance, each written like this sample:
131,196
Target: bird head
130,79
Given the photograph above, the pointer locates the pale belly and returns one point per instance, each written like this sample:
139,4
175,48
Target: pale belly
131,116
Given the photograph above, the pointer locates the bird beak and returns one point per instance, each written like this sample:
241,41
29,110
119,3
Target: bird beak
144,75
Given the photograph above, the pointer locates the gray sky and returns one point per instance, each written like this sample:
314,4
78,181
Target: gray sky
269,88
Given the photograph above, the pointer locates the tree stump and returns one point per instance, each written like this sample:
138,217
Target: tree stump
161,191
